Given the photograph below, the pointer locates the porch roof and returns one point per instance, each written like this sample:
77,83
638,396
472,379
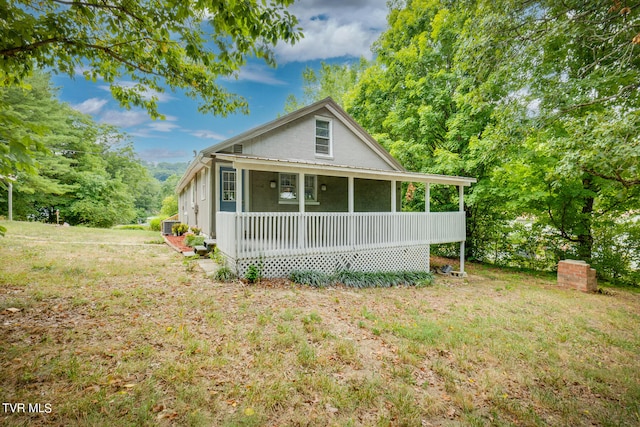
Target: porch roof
242,161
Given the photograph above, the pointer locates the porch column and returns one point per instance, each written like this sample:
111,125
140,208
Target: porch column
302,224
350,220
461,209
350,193
239,196
427,197
393,196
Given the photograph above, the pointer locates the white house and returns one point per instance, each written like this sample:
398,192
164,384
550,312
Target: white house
313,190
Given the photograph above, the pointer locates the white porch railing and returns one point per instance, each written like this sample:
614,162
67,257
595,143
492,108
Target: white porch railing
253,234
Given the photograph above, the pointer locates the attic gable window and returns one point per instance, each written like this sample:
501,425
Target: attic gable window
323,137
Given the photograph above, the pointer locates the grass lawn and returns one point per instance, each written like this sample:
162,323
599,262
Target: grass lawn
110,328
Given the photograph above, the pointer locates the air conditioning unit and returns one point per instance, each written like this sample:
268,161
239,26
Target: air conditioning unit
166,226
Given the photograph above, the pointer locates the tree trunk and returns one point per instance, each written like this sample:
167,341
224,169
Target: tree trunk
585,238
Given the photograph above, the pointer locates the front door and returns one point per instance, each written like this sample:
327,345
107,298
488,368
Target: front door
227,189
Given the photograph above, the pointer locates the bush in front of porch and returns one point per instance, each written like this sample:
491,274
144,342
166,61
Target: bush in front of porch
362,279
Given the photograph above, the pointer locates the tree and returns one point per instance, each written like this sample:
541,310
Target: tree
90,174
572,73
186,45
332,80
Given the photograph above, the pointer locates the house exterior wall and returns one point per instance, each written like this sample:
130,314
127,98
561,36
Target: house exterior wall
369,195
296,140
263,198
372,195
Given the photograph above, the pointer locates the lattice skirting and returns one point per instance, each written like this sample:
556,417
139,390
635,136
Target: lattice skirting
387,259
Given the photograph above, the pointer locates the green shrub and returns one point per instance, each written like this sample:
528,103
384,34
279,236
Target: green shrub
254,274
311,278
196,230
224,274
155,224
193,241
130,227
216,256
361,279
179,229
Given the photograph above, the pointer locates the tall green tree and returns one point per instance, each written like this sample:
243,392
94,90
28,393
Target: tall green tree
331,80
572,70
420,102
186,45
91,176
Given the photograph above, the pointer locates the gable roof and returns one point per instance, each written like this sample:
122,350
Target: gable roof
327,103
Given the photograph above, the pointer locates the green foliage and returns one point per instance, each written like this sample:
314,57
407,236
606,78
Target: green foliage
311,278
3,231
359,279
537,100
155,224
193,240
253,274
196,230
179,229
89,172
332,80
169,205
216,256
131,227
224,274
180,45
165,172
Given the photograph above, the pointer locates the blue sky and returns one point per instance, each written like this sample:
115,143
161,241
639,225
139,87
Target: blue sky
335,31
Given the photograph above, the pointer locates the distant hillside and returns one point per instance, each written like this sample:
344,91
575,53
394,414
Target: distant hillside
163,170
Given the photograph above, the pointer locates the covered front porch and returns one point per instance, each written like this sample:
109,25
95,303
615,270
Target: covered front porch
278,242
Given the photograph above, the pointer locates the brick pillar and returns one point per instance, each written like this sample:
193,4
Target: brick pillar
578,275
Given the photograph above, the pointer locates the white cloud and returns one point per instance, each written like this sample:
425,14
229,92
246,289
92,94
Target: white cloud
207,134
124,119
165,125
91,105
259,74
335,28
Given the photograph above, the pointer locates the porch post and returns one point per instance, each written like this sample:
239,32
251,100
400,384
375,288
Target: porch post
350,193
350,218
461,209
239,235
301,219
393,196
427,197
239,196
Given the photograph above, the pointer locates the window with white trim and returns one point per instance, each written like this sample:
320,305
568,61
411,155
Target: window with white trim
323,138
288,187
203,180
228,186
310,188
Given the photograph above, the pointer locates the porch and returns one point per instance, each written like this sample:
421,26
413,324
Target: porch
365,232
281,241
